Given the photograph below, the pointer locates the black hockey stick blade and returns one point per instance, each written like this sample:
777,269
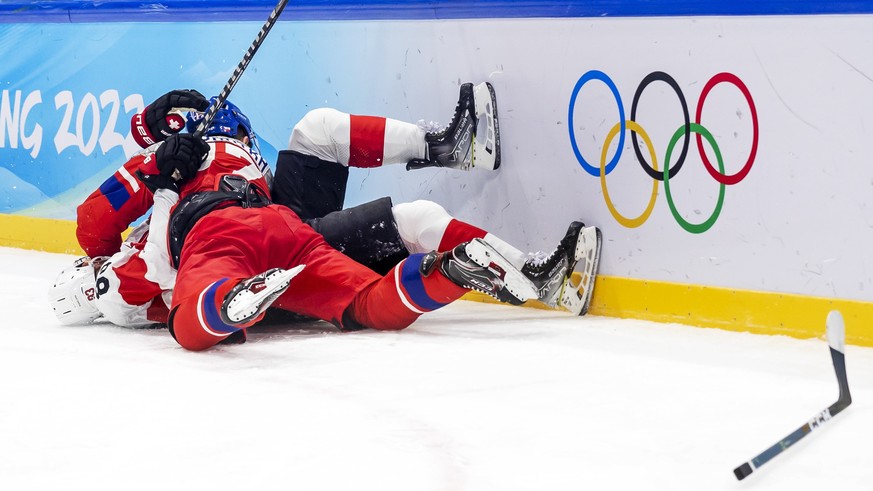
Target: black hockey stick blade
836,334
837,343
237,73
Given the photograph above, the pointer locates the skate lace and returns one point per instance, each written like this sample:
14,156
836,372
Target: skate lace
540,263
430,126
538,259
441,131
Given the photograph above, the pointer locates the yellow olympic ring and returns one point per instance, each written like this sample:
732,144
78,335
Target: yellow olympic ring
628,222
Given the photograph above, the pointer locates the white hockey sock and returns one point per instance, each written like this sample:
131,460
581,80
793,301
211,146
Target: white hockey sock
513,255
330,135
422,226
403,142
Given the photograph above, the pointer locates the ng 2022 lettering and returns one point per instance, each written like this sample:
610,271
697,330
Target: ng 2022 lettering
86,122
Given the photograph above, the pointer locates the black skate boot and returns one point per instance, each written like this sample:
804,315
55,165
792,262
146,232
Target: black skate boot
251,297
553,276
477,266
472,139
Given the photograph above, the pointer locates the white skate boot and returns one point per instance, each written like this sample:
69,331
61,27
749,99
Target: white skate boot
251,297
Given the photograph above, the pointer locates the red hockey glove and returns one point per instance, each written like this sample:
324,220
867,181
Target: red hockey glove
161,118
180,153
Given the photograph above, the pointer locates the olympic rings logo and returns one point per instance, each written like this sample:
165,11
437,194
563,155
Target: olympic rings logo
683,132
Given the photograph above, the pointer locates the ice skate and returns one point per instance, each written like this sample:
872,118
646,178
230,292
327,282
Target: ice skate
477,266
472,139
251,297
553,276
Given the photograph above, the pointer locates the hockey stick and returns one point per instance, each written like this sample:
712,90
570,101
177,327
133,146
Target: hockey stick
836,332
237,73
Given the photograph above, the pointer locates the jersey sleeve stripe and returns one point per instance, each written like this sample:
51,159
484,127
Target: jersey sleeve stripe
132,181
115,191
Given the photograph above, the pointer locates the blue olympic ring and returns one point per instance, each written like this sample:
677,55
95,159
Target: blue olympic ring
588,76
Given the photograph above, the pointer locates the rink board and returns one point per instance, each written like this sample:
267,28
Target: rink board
784,98
734,310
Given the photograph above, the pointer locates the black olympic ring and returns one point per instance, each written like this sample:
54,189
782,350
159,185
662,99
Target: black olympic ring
654,77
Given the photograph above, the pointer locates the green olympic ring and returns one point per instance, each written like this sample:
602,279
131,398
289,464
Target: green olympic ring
694,228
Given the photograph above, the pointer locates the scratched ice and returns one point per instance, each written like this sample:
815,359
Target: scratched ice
473,397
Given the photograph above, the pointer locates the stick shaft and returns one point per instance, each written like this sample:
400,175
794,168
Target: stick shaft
237,73
836,335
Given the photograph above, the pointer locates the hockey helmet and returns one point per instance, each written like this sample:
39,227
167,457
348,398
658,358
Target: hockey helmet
73,294
228,119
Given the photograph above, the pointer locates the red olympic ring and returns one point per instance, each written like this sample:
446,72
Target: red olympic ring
718,176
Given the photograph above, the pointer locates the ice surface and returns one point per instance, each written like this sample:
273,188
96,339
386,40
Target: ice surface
473,397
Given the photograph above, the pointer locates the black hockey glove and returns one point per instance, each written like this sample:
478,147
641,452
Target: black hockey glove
161,119
175,161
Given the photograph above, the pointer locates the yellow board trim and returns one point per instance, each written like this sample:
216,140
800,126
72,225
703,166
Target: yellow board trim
40,234
757,312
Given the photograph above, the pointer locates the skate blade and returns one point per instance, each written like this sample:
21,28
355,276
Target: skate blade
578,288
515,282
486,138
246,305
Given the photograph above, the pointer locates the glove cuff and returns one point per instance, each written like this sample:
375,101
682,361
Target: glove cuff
140,130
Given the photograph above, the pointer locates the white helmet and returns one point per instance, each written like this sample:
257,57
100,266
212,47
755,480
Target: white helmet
73,293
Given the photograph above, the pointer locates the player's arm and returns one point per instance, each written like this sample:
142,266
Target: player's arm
111,208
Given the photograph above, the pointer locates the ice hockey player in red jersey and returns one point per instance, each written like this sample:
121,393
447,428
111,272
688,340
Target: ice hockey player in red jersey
440,227
237,253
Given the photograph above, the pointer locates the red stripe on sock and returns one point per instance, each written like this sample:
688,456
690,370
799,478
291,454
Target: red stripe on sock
367,141
458,232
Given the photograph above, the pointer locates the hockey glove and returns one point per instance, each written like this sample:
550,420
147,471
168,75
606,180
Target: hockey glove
174,161
163,118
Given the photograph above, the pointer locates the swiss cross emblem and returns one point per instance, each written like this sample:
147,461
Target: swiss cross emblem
174,121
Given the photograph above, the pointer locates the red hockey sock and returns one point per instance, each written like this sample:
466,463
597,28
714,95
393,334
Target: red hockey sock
401,296
196,320
366,141
458,232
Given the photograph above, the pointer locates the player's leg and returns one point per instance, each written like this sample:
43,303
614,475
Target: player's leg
379,235
234,263
366,233
472,139
425,226
308,185
333,287
426,282
237,262
357,141
311,175
235,246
